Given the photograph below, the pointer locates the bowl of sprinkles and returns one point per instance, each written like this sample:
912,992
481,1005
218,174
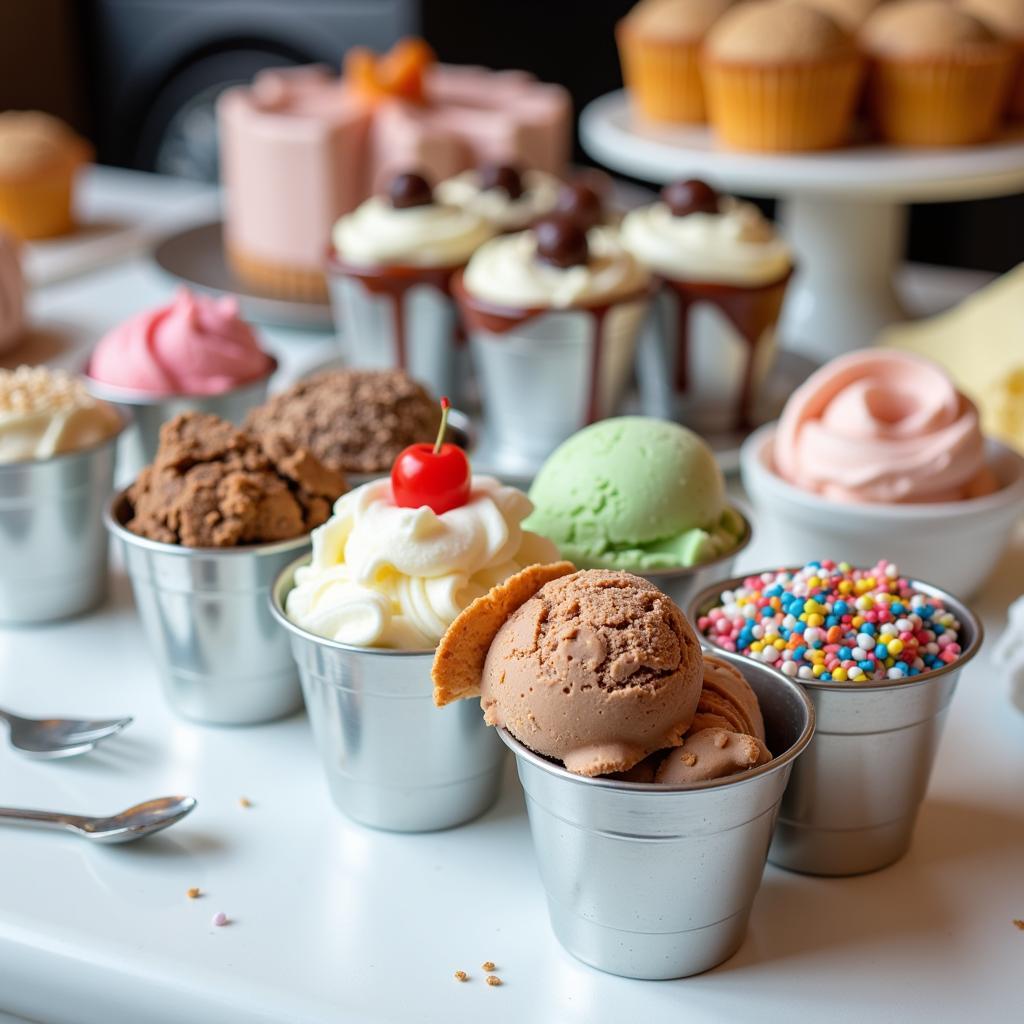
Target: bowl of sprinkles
830,622
880,655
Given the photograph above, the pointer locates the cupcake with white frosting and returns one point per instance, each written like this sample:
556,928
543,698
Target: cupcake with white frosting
504,196
390,275
723,271
553,315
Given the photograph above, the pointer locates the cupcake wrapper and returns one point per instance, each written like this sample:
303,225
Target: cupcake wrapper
1015,105
39,207
663,78
276,279
773,109
952,102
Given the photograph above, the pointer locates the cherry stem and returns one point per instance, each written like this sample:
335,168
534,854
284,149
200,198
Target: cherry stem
445,406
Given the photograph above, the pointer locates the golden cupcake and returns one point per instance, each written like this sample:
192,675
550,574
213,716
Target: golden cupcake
780,76
938,76
39,158
659,47
849,14
1005,19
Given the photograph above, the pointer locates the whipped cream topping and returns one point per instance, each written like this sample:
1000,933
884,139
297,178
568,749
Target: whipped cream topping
881,426
49,412
494,205
436,235
384,576
737,245
507,272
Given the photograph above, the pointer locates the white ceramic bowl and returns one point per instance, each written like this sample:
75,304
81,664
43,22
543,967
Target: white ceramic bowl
953,544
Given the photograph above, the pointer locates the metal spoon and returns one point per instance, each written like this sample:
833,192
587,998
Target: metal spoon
135,823
58,737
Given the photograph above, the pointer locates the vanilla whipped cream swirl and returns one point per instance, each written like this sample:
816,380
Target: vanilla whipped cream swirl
47,412
495,205
880,426
384,576
507,272
435,235
735,246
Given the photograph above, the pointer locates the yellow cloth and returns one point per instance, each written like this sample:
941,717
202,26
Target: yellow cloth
981,344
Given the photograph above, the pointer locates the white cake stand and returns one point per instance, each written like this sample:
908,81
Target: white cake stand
843,211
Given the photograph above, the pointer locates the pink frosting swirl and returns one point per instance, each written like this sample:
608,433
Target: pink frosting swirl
880,426
193,346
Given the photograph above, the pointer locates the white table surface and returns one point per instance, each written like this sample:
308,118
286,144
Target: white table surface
333,922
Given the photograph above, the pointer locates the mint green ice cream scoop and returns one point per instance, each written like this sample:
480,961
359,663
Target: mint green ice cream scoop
634,493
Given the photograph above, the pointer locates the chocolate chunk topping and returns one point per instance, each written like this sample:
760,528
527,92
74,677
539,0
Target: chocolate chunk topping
351,420
213,485
692,196
408,190
580,202
503,176
561,242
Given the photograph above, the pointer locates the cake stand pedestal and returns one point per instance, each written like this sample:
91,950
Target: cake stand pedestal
843,211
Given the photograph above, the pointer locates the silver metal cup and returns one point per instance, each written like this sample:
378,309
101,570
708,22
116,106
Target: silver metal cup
708,395
150,412
53,548
205,612
682,584
852,802
653,881
393,760
544,374
414,328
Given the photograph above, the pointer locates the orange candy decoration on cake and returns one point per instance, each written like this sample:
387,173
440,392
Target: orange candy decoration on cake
397,74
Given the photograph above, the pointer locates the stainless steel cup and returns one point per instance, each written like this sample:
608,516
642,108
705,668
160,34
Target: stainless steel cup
151,412
413,327
544,374
853,799
53,548
682,584
393,760
657,881
205,612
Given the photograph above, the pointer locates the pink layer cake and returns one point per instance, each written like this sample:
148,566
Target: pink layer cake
302,146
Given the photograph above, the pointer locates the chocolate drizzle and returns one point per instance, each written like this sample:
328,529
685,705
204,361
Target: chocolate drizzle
396,282
479,314
750,309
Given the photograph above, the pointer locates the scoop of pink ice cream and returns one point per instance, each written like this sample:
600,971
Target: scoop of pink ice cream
193,346
880,426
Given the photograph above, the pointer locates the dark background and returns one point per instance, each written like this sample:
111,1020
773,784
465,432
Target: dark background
138,77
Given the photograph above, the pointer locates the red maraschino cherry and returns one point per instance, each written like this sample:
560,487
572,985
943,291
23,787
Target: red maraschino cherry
436,475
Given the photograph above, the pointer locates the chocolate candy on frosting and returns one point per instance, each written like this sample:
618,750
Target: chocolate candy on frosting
562,242
581,203
503,176
408,190
691,196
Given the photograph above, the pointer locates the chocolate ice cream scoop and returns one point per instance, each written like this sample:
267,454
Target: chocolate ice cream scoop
727,701
213,485
711,754
353,421
597,668
725,738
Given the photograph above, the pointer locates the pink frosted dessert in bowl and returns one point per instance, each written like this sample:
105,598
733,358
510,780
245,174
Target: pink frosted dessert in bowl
877,455
194,345
194,354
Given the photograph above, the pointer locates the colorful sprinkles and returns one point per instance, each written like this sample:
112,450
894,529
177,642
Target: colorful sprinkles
833,623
